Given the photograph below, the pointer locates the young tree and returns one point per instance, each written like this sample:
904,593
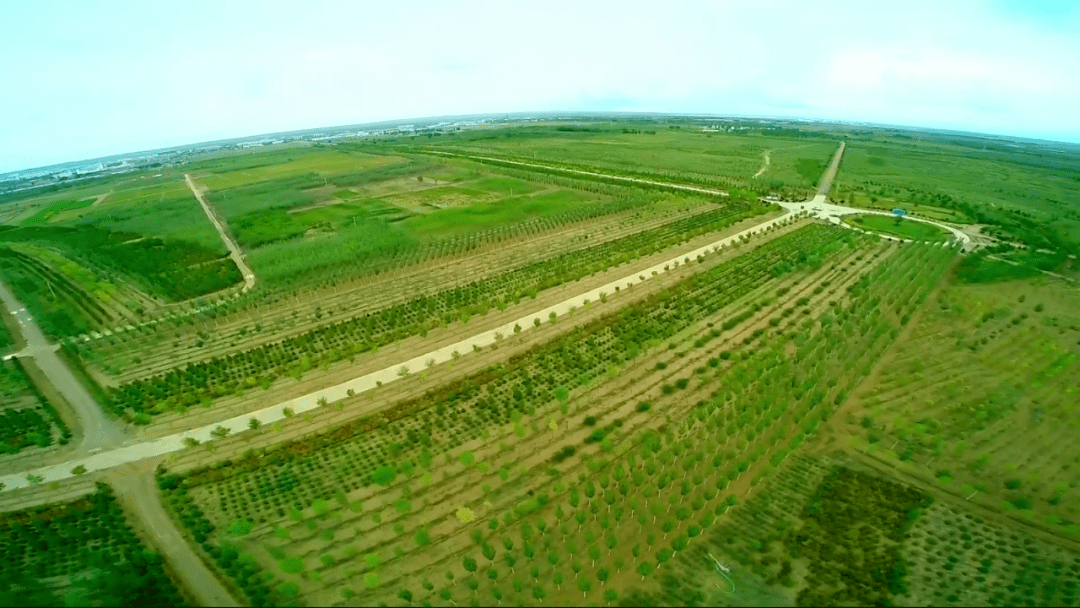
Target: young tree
584,585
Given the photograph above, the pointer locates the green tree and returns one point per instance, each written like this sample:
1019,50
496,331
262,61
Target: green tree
584,585
384,475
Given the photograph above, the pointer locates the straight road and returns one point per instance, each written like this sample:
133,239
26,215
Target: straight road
235,252
98,431
825,183
636,180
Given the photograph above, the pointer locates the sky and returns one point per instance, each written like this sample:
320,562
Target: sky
88,79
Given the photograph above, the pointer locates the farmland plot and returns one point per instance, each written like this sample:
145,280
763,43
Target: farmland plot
369,541
980,399
81,552
27,420
215,378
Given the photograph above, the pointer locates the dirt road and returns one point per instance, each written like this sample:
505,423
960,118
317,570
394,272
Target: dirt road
763,167
712,191
235,252
137,493
825,183
98,431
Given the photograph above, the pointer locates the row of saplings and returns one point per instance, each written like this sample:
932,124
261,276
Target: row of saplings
217,377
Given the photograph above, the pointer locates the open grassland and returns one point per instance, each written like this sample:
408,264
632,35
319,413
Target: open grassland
899,227
316,162
1027,190
673,154
155,205
82,279
80,553
981,399
618,444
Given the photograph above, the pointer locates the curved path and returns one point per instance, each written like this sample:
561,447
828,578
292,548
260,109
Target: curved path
235,252
763,167
98,431
827,211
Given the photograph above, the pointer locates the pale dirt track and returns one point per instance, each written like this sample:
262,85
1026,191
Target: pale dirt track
97,431
235,252
137,493
636,180
763,167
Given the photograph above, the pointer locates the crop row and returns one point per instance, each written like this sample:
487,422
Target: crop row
46,550
161,346
380,261
26,423
616,175
261,366
647,323
748,425
967,560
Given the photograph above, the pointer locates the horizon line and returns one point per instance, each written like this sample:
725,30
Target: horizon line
575,113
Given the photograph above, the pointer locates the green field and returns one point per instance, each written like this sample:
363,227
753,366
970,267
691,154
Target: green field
901,227
661,152
802,415
81,553
1026,189
27,419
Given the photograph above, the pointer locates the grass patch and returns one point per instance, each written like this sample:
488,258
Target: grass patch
900,227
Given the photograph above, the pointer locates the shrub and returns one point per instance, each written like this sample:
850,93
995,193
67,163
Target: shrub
384,475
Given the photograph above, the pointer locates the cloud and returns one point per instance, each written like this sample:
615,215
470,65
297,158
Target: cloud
119,76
